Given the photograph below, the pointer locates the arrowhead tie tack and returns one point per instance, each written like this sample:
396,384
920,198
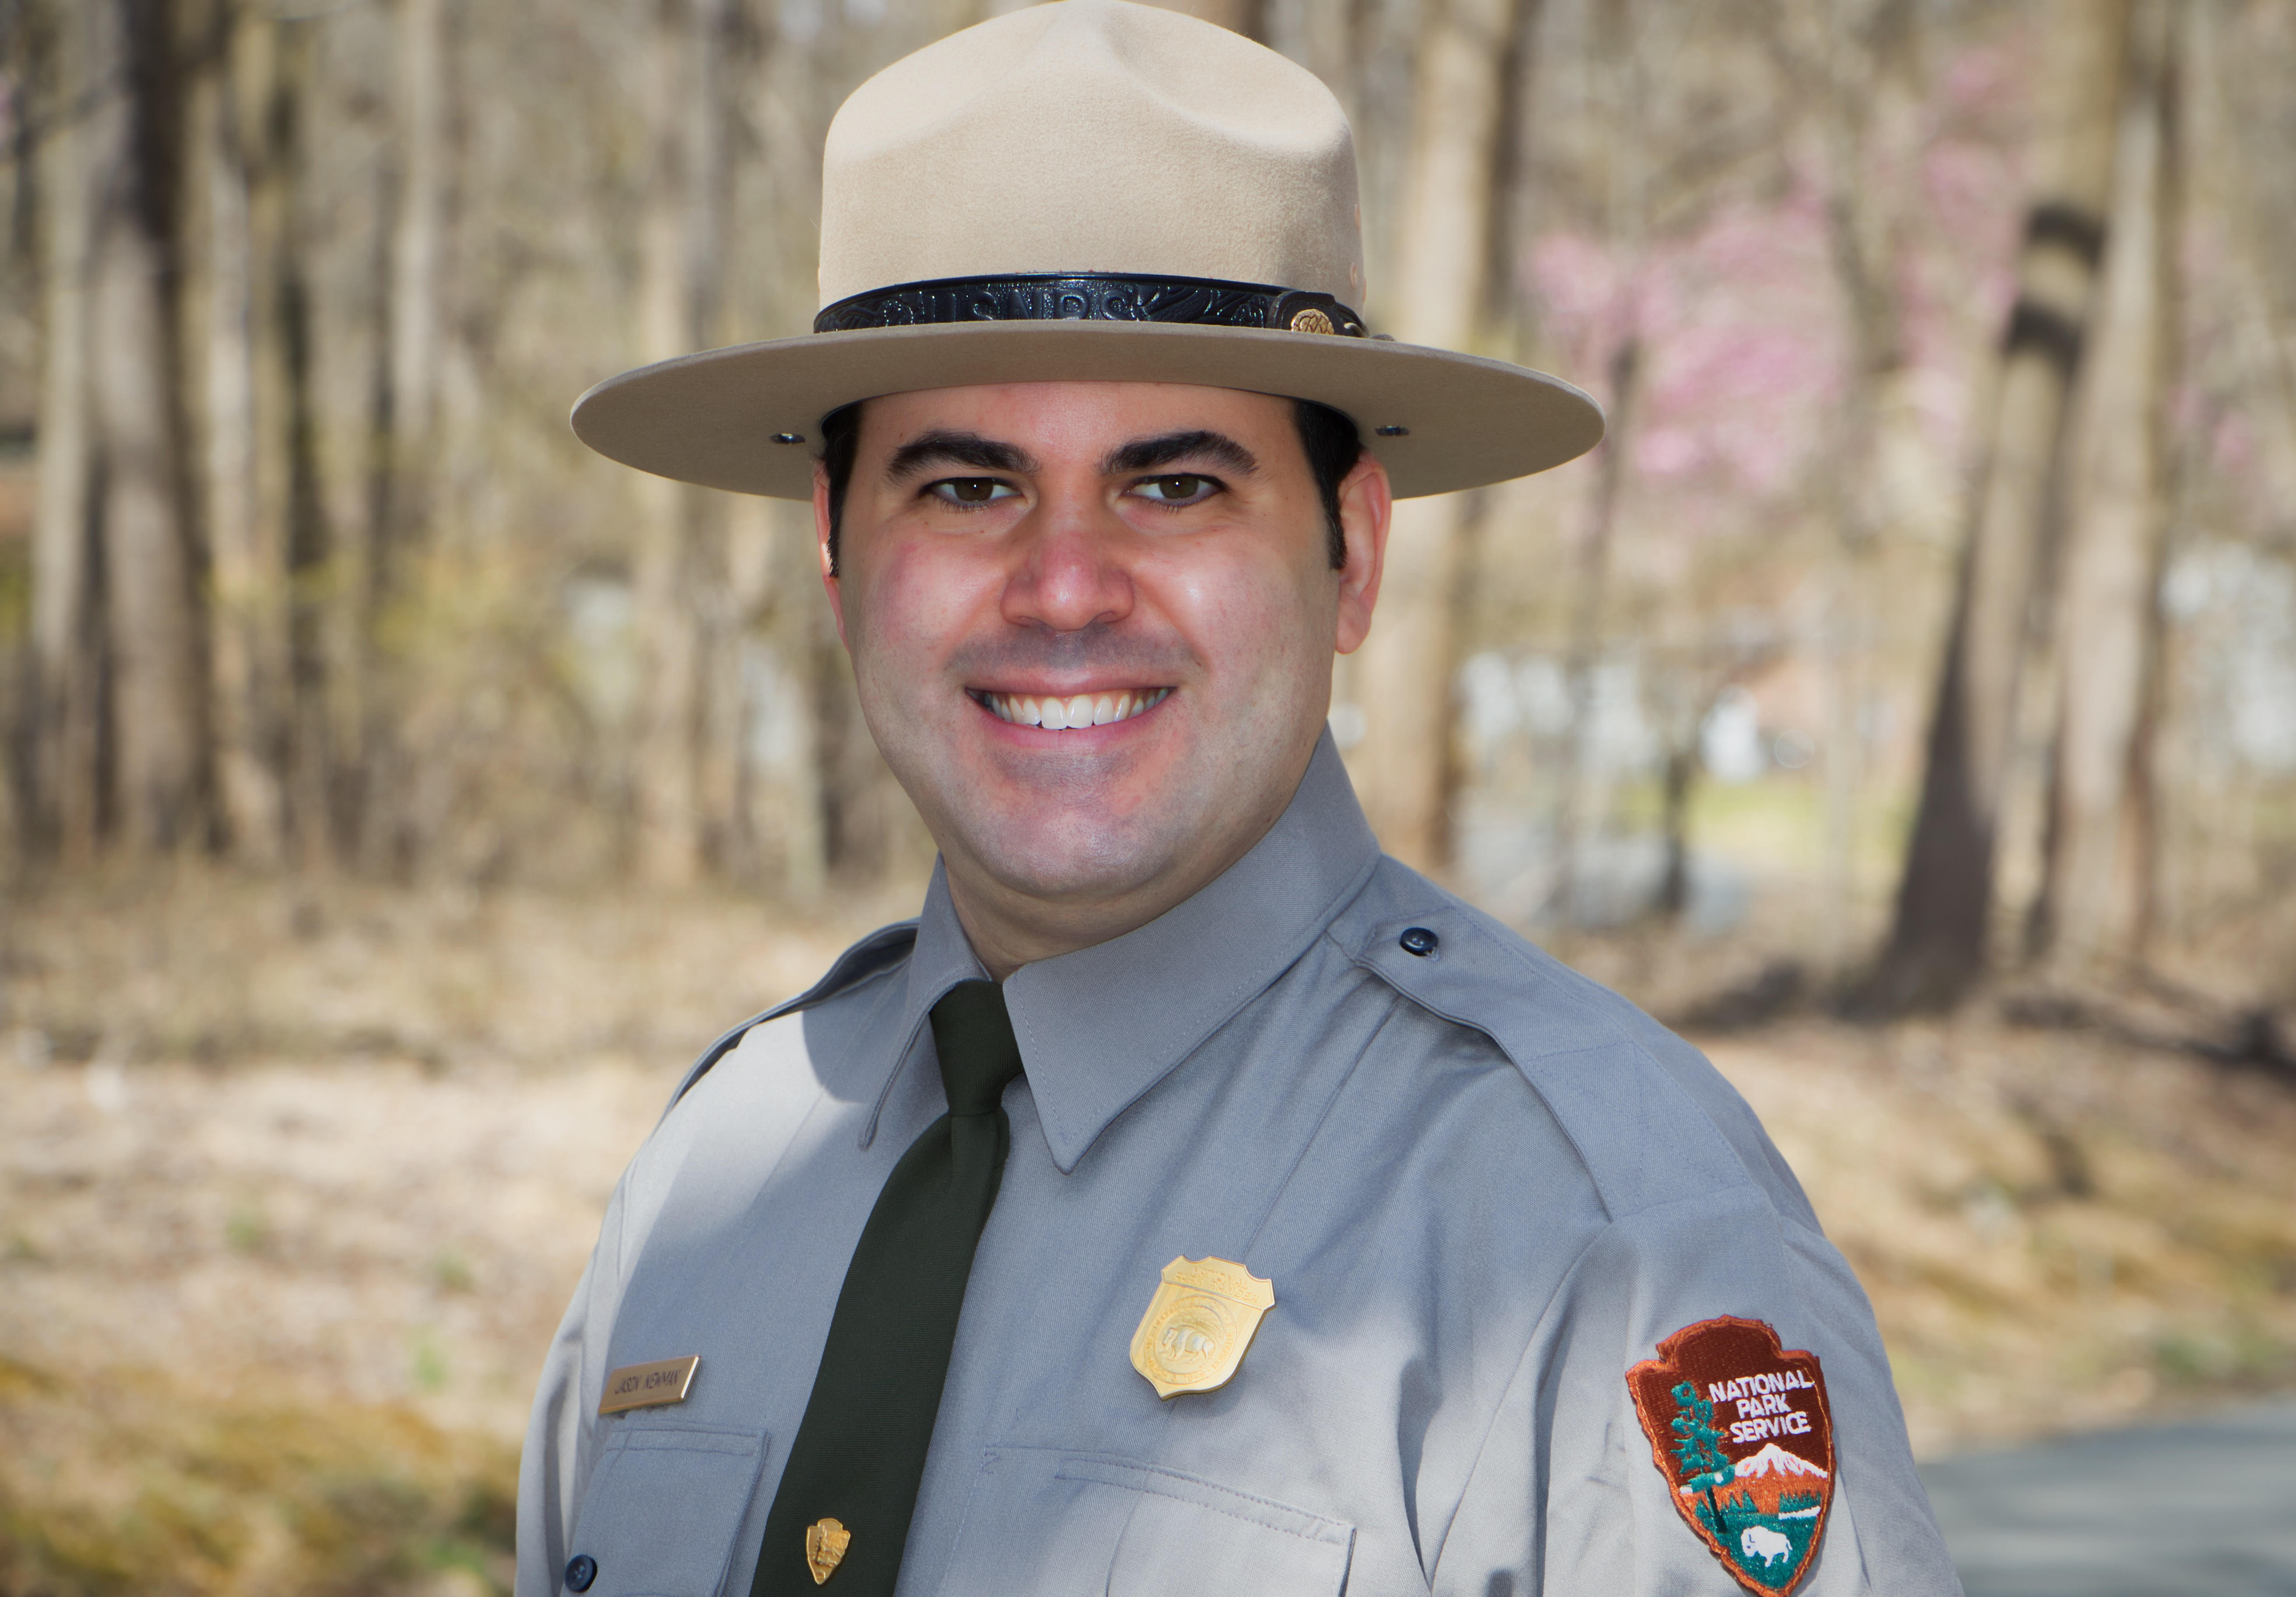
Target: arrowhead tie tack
825,1543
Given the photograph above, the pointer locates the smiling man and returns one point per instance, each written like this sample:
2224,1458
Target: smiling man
1093,626
1191,1200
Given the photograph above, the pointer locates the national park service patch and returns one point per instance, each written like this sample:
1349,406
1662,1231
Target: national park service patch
1740,1428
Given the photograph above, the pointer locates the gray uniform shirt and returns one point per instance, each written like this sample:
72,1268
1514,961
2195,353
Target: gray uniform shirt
1482,1186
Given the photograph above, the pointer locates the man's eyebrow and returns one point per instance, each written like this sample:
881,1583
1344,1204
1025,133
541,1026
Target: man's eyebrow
1213,448
957,449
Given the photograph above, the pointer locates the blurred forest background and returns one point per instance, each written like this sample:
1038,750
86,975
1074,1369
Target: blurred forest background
1902,700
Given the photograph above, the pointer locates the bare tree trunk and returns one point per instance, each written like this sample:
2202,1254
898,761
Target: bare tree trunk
65,701
1405,763
1679,782
291,543
1614,81
246,578
723,593
738,533
2091,902
791,809
1852,72
154,633
670,830
1578,808
729,772
1945,902
2141,817
401,498
784,778
417,230
2203,822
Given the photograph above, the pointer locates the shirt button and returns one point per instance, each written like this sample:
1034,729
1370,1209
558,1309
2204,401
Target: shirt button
581,1569
1418,940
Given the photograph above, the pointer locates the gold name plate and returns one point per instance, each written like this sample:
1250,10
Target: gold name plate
642,1386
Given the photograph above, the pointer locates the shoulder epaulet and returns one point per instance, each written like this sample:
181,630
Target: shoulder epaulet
880,951
1652,1120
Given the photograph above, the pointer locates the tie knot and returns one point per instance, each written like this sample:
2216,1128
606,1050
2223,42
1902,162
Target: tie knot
973,1035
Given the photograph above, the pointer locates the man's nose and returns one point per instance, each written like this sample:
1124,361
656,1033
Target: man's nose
1071,571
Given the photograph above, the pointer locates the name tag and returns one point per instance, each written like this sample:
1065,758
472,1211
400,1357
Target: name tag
642,1386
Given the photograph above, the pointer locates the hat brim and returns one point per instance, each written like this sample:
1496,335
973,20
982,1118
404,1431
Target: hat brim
1437,421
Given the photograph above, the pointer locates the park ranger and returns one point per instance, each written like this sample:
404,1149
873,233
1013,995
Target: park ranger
1190,1200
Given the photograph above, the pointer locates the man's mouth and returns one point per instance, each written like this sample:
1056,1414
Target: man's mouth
1082,710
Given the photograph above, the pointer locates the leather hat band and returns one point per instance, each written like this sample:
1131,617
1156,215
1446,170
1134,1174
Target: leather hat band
1091,296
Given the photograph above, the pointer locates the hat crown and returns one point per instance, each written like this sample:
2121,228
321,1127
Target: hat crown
1092,135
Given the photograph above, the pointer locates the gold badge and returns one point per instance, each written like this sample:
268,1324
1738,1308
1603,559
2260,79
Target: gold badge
642,1386
1312,320
1198,1324
825,1542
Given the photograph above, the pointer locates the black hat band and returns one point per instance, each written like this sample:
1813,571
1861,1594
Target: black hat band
1092,297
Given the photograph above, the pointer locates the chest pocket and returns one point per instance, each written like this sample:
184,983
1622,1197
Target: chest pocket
663,1508
1052,1524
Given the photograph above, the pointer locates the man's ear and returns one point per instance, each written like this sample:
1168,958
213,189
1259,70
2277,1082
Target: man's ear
829,578
1367,506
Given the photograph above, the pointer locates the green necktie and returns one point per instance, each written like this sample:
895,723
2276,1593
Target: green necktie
861,1449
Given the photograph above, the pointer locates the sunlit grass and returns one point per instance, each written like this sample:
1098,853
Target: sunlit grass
128,1482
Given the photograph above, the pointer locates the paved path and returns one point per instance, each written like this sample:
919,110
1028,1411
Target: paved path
2205,1507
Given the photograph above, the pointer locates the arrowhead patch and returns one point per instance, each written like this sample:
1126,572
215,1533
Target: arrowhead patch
1739,1428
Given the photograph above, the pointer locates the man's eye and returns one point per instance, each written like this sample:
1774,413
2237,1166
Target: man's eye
1175,490
972,490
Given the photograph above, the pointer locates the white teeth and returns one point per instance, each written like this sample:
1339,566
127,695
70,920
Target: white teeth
1084,709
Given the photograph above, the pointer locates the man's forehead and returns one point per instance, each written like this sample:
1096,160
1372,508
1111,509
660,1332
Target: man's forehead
1063,416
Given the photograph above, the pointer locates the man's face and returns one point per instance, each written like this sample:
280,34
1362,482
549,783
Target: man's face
1093,626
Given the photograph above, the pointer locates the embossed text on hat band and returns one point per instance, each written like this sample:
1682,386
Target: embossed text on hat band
1091,296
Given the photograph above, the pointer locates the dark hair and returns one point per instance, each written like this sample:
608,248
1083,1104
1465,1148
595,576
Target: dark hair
841,440
1333,445
1327,437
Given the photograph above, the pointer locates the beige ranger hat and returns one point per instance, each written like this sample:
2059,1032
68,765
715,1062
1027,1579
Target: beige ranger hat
1088,189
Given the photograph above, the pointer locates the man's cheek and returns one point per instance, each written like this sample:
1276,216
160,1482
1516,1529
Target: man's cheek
1221,606
927,598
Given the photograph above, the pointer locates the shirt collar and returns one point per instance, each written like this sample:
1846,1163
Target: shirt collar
1100,1026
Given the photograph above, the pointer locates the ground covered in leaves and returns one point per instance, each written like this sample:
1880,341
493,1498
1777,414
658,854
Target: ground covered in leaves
294,1182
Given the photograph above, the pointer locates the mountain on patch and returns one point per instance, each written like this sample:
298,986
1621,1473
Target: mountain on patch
1775,1460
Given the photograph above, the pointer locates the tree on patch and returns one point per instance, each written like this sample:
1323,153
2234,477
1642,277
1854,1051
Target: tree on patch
1699,1451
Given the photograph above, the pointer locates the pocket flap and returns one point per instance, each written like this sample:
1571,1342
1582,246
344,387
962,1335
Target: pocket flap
1263,1511
1052,1523
1187,1534
663,1508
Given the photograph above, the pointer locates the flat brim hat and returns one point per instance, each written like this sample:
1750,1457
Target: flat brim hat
1088,191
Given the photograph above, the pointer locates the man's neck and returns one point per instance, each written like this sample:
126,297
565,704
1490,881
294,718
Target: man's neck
1009,929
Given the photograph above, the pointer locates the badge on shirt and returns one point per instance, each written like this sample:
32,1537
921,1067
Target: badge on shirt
1740,1428
1198,1324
